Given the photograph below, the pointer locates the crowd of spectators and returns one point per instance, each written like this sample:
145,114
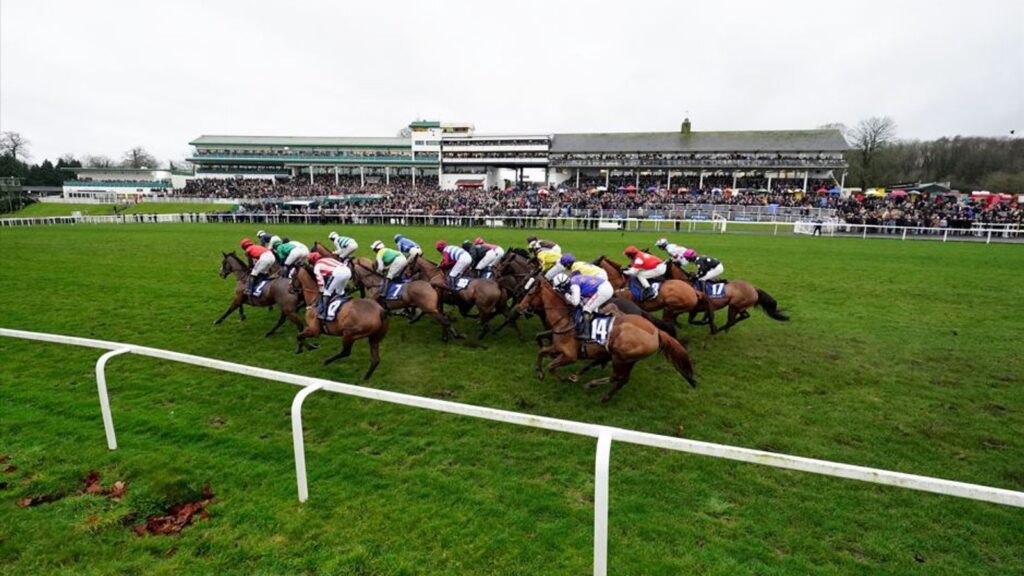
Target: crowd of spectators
696,160
401,197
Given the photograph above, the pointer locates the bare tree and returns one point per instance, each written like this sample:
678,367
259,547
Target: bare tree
99,162
138,157
15,145
405,132
870,136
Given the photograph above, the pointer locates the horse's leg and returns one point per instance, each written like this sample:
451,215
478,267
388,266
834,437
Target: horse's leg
562,359
280,321
621,377
235,303
669,315
485,317
346,350
711,319
374,355
541,353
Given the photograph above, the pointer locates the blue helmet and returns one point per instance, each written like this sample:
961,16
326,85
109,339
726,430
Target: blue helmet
398,237
567,260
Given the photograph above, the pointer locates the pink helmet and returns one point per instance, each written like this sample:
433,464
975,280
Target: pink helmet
441,245
313,257
690,254
478,240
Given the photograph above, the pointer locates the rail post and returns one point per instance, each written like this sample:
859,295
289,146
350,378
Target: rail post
101,387
604,448
989,239
298,441
904,234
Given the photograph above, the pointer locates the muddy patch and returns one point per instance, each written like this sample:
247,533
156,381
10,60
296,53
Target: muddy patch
178,516
90,485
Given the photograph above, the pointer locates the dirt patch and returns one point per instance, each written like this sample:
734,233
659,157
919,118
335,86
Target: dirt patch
4,458
178,516
90,485
10,468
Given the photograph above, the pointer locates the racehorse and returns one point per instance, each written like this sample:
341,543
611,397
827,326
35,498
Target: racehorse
513,271
357,319
416,294
484,293
276,292
325,253
674,297
739,295
631,339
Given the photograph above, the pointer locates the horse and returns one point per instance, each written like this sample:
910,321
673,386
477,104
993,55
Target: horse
276,292
484,293
513,271
674,297
357,319
416,294
631,339
326,253
739,295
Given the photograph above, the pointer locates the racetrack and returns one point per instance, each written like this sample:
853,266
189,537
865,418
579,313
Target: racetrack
903,356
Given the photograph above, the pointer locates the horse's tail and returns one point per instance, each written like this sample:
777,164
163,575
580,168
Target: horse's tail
770,306
677,355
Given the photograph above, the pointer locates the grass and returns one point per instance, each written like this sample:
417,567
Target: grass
40,209
900,355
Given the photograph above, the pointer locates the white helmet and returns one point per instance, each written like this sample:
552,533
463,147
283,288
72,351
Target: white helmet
661,243
332,236
535,244
377,245
560,280
261,233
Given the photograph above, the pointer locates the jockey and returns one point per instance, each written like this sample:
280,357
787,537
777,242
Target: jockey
455,260
265,238
708,268
292,253
645,266
393,260
477,252
332,276
675,251
589,291
550,263
538,245
263,260
407,247
492,253
343,245
586,268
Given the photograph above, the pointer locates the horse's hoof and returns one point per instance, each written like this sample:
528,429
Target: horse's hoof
540,375
313,346
573,378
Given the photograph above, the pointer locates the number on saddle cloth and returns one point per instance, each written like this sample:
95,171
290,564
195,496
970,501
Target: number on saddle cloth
257,291
601,328
637,289
331,310
394,291
462,283
715,289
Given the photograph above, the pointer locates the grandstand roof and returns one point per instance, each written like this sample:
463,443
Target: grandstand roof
738,141
300,141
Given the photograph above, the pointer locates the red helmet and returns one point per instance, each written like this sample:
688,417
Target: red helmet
246,243
314,256
478,240
631,250
441,245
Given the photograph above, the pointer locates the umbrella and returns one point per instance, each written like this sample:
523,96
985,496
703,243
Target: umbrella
822,191
630,188
652,188
716,190
899,193
621,188
836,191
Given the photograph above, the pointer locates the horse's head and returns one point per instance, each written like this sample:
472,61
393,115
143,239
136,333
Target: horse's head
225,264
531,299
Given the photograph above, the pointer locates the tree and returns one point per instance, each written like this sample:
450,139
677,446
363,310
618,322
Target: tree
15,145
99,161
869,137
138,157
405,132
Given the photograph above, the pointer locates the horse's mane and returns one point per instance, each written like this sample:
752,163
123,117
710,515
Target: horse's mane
520,252
231,255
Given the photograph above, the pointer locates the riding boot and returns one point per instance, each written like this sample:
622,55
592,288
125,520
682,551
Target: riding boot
383,294
250,287
585,321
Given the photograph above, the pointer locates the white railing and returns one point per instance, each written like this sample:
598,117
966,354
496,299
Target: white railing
716,224
604,434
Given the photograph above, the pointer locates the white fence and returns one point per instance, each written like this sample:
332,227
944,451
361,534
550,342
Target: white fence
604,434
717,223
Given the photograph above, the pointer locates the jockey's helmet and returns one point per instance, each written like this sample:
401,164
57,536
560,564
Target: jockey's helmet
441,245
560,281
377,245
313,257
630,251
567,260
246,243
690,254
661,243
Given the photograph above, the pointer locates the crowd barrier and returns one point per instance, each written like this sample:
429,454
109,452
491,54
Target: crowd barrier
715,223
605,435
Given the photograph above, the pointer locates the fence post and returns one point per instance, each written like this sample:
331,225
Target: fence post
865,234
604,448
945,233
101,387
989,239
904,234
298,441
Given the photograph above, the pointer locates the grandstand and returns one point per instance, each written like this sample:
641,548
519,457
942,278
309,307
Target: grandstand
452,156
121,184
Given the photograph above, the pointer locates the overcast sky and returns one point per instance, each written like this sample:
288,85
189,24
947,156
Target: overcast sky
98,77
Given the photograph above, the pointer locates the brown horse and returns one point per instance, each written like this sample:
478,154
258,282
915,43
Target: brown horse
357,319
484,293
326,253
417,294
631,339
740,295
675,297
276,292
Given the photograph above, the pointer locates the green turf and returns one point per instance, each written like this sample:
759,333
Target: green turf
46,209
900,355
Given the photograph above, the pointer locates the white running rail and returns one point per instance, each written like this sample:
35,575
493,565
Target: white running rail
604,434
